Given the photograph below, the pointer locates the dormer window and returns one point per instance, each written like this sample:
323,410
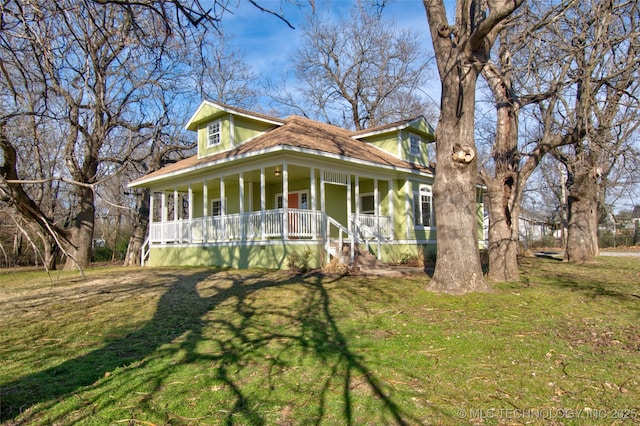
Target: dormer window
414,145
213,132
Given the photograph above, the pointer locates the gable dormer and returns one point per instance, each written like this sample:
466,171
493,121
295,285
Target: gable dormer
406,140
221,127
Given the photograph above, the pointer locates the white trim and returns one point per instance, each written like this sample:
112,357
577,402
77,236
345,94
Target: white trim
418,154
408,195
232,111
232,131
299,193
366,194
423,189
222,204
190,192
208,127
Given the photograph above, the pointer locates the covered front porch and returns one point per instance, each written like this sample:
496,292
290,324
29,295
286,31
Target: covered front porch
283,203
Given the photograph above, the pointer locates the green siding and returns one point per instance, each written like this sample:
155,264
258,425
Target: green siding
225,140
246,129
273,255
387,142
243,130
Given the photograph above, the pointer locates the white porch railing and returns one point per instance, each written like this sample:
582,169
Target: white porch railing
373,226
239,227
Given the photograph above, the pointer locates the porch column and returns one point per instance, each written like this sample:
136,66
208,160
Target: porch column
205,211
358,196
263,202
151,206
376,203
205,199
190,214
163,216
175,204
285,201
243,227
391,210
407,205
323,208
349,225
190,202
223,208
312,188
241,185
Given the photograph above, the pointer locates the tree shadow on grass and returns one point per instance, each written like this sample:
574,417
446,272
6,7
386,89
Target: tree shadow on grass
247,341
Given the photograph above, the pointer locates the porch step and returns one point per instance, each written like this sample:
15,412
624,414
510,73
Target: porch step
369,264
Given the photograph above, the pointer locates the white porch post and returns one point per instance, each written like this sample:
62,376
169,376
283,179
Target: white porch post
376,202
391,210
285,201
349,225
325,222
241,185
175,204
190,214
205,211
407,205
163,216
357,196
223,208
190,202
243,236
312,188
151,206
263,202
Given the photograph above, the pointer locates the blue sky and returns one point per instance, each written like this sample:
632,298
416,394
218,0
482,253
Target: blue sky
270,44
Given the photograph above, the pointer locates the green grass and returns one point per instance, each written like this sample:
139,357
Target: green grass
204,346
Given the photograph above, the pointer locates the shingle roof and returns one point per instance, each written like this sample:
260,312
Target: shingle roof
301,134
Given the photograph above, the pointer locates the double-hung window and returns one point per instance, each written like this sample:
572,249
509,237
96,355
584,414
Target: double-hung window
414,145
216,207
213,134
423,207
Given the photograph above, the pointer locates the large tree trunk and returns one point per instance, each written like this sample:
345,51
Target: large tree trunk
458,268
81,232
582,231
503,186
461,50
139,233
503,230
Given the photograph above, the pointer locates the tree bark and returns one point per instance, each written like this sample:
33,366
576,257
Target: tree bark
503,188
139,233
81,232
458,268
582,228
461,51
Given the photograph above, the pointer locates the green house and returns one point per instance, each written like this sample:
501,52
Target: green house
262,188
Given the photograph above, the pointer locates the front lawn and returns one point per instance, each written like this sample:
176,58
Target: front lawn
207,346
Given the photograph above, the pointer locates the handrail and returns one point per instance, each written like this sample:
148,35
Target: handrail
341,228
144,253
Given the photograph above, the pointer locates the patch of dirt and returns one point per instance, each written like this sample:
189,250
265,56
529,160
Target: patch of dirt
602,338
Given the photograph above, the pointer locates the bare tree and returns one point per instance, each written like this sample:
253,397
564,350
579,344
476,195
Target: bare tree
600,39
90,70
461,50
522,58
359,72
